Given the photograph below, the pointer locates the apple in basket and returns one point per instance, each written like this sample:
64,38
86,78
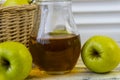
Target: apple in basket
15,2
15,61
100,54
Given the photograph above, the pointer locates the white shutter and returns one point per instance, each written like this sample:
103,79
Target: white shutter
94,17
1,1
97,17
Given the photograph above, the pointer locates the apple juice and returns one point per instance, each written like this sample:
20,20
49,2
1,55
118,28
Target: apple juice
55,53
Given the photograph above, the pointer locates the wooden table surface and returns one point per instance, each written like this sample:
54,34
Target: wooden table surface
78,73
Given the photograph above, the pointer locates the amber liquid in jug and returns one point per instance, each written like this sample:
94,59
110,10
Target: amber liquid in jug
55,45
57,53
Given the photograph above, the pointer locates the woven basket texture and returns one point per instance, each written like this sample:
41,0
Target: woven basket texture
16,23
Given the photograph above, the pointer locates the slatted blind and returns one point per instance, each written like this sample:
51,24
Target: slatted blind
97,17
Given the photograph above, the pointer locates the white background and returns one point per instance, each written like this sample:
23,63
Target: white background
97,17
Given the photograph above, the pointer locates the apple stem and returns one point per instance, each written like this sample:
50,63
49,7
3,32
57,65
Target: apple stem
4,62
95,53
31,1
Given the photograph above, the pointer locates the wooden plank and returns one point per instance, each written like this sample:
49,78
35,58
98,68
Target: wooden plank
78,73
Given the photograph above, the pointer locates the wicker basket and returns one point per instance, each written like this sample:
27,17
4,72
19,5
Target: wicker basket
16,23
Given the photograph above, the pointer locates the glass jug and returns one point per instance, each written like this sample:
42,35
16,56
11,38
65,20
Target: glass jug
55,43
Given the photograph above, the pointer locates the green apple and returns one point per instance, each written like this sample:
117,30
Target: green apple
15,61
100,54
15,2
